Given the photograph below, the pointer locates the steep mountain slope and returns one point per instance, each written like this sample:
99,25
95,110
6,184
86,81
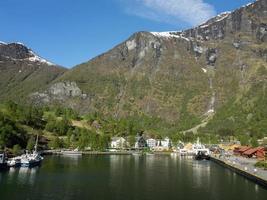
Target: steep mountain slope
147,74
181,77
23,72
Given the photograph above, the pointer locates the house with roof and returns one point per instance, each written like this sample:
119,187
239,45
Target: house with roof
151,143
258,152
166,143
240,150
163,145
140,142
118,143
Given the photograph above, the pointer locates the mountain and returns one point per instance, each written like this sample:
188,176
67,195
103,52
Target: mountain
23,72
211,78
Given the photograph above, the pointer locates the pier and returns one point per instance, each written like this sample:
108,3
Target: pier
246,170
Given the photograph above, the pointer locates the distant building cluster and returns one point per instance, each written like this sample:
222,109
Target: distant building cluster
141,142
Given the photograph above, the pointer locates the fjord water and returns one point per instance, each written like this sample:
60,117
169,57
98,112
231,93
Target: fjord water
126,177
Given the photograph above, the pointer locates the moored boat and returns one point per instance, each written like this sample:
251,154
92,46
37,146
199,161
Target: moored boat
3,163
137,154
14,162
74,152
202,155
33,159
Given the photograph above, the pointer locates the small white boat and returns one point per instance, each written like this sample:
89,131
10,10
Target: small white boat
149,154
74,152
14,162
137,154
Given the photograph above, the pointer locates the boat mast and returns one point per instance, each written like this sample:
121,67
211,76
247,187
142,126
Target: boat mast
36,143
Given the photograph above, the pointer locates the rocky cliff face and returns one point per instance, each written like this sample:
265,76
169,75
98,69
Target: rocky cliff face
14,51
61,91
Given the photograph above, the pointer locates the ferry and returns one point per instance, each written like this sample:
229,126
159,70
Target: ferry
202,156
198,147
200,151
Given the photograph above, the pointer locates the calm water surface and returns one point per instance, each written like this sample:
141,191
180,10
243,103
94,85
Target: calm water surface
125,178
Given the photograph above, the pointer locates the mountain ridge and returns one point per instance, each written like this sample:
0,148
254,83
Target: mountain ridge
181,77
24,72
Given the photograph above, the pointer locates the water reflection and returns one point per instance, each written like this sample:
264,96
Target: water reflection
201,174
73,159
27,175
126,177
256,188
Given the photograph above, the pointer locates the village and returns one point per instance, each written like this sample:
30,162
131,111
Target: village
166,145
247,161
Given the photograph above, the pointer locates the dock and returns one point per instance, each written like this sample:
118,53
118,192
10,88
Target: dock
59,152
258,176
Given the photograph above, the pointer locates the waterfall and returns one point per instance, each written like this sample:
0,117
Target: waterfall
211,106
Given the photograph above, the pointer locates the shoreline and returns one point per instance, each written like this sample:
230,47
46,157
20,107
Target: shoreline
58,152
254,177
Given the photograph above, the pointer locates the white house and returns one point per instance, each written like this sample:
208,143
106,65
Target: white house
163,145
118,143
151,143
166,143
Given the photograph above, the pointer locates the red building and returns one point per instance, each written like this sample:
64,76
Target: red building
258,152
240,150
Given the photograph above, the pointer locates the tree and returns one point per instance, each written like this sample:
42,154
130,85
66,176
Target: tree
51,125
56,143
244,139
254,142
84,139
31,143
63,126
104,142
131,140
59,111
16,149
10,133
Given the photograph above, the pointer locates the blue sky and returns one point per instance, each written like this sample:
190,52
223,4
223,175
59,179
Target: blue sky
69,32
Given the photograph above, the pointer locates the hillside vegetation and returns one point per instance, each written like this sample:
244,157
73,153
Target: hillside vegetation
208,81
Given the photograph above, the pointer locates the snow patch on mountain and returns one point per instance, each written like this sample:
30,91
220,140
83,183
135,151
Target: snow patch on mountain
3,43
31,56
170,34
36,58
217,18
